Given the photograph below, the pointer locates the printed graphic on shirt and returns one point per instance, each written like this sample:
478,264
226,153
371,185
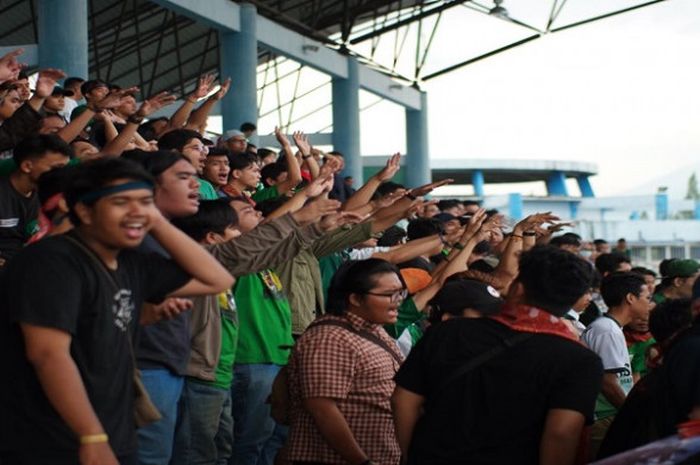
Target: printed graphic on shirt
123,309
273,285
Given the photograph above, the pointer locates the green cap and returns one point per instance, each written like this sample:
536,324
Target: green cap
682,268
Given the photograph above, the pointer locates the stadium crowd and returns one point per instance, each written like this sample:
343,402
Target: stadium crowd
168,298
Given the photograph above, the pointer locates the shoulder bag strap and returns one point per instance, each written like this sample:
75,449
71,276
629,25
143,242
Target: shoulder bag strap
373,338
480,360
99,264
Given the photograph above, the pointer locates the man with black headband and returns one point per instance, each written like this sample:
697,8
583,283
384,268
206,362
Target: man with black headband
68,344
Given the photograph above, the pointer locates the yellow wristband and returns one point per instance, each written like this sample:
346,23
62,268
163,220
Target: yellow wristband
93,438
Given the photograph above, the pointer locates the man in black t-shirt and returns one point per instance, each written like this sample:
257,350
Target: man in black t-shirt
19,206
69,306
525,403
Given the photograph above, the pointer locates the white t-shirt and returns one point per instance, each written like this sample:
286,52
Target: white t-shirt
604,337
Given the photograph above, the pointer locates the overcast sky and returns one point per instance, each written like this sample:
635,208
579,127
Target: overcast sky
622,92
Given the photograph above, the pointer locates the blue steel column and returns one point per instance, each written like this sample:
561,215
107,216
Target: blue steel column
239,61
584,185
346,120
661,201
417,155
556,184
62,30
515,205
478,183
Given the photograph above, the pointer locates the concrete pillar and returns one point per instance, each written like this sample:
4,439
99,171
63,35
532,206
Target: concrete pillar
573,209
696,211
239,61
584,185
478,183
515,206
62,30
346,120
661,202
417,154
556,184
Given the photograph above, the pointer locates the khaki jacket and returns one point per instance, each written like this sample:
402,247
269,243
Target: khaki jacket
266,246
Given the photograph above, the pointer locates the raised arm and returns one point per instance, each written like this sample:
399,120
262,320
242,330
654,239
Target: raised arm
180,117
208,276
117,145
364,194
45,84
77,124
198,118
293,168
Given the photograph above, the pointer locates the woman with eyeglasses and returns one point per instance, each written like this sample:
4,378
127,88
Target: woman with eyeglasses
341,372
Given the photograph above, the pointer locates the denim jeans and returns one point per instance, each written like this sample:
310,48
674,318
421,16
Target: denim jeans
155,441
205,433
256,439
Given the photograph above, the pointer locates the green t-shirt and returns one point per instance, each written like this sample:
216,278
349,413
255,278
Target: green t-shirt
638,356
266,194
206,190
229,340
658,298
408,315
8,166
328,266
265,319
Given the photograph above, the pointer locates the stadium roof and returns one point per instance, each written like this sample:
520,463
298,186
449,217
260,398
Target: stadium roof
140,42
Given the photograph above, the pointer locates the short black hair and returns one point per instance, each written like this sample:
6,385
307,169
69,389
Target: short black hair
553,279
273,170
218,152
599,242
37,146
213,216
248,127
643,271
95,174
88,86
268,206
610,262
565,239
670,317
423,227
392,236
147,130
388,188
177,139
663,266
263,153
242,161
156,162
71,81
356,277
53,182
616,286
469,203
448,203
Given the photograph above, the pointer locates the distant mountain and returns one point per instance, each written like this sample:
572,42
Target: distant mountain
676,181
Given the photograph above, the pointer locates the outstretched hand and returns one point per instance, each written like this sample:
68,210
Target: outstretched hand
46,81
339,219
114,98
393,164
223,90
155,103
9,66
302,142
205,84
428,188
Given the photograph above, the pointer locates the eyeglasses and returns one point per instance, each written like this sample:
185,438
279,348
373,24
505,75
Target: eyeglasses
397,296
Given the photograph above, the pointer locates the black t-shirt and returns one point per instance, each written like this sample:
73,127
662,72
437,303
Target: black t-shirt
495,413
679,385
18,216
165,344
56,284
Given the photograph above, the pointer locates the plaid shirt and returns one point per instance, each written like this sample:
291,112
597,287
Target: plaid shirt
332,362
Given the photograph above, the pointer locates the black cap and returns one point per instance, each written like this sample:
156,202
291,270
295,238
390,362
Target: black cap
58,90
460,294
